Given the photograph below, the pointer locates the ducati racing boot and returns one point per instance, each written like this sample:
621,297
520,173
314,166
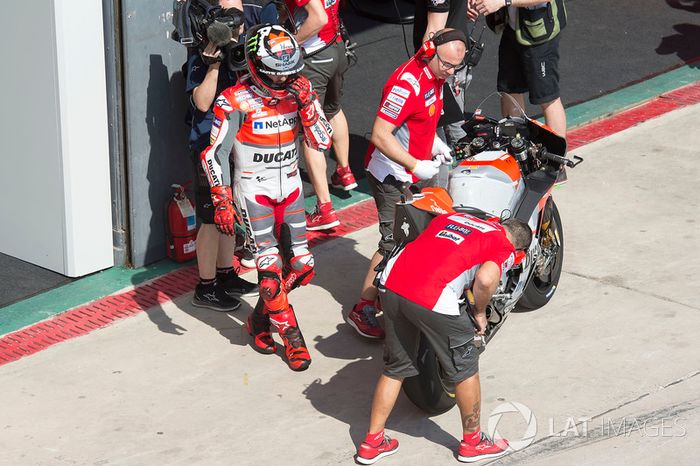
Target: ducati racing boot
298,357
259,328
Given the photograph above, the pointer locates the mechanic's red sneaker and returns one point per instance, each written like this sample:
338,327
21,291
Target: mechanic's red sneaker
483,450
322,218
363,318
343,178
376,447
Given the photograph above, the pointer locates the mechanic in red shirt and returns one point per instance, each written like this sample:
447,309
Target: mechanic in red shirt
456,252
404,151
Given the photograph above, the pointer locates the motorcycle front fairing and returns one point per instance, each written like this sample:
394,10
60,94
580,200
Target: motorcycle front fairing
489,181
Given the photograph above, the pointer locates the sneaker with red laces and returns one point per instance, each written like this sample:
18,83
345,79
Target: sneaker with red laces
322,218
485,449
363,318
367,454
343,178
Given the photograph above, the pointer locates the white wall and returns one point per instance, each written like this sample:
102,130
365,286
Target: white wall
55,205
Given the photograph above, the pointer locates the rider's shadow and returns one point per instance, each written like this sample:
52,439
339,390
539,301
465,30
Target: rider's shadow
340,270
230,325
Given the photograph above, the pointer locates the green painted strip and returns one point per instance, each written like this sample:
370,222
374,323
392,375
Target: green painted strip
87,289
343,199
98,285
630,96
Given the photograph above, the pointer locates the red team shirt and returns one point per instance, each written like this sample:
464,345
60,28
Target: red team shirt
328,33
435,268
411,100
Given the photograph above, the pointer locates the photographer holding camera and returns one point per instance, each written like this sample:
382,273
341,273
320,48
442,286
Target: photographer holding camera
206,77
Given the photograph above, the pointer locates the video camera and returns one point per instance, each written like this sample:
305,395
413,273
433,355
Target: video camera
198,23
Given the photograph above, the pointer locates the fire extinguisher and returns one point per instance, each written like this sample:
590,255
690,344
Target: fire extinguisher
182,226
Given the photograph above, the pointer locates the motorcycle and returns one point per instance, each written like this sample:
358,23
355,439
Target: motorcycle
504,169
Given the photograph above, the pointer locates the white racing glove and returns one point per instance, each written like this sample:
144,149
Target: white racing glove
441,152
426,169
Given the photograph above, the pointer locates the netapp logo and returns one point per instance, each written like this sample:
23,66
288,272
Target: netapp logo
274,124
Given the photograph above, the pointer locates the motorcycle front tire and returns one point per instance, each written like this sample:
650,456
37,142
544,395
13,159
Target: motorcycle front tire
539,292
427,390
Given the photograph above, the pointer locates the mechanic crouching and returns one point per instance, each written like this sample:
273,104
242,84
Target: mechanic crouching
420,288
258,122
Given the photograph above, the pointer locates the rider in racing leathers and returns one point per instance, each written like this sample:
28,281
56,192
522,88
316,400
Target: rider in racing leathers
260,119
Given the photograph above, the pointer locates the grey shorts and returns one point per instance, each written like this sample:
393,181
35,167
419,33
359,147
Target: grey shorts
451,337
325,70
386,195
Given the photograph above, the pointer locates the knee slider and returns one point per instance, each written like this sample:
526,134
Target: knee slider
269,261
301,271
270,280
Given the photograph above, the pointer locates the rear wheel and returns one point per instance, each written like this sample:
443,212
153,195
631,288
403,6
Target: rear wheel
427,390
548,266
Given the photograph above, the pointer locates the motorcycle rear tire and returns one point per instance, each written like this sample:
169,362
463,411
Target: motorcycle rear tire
539,292
427,390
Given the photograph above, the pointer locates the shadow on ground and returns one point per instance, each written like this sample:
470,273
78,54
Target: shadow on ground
692,6
685,44
346,395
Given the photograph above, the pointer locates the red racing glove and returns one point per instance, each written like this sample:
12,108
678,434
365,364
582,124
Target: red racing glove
224,213
300,89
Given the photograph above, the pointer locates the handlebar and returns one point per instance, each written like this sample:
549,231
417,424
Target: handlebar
561,160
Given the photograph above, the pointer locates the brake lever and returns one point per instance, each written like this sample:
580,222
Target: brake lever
572,163
561,159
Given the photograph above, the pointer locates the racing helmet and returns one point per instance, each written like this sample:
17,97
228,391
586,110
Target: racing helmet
271,50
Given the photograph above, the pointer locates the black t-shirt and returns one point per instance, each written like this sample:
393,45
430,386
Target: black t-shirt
456,18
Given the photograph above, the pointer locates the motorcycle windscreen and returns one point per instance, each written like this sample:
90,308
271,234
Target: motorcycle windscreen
542,134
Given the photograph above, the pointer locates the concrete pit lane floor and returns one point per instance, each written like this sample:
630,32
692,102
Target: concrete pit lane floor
609,371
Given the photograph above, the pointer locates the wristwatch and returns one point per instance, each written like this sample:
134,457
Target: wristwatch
509,3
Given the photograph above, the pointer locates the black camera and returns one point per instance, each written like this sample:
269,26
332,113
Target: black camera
199,23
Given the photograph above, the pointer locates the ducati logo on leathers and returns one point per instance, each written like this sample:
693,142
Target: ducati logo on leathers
275,156
212,173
